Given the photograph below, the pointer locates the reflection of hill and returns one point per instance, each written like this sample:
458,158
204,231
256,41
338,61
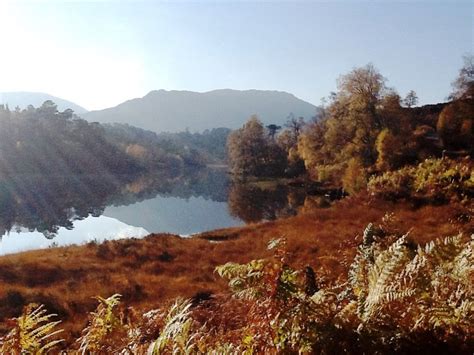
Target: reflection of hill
208,183
174,215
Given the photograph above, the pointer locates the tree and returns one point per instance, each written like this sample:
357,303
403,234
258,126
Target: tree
392,115
411,99
272,130
353,121
287,143
355,177
295,125
312,147
360,92
67,114
48,108
250,153
344,142
456,125
464,84
245,147
389,149
363,87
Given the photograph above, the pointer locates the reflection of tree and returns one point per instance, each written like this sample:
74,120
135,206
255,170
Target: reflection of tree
46,203
252,204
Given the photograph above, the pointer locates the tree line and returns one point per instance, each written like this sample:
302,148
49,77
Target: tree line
44,141
364,128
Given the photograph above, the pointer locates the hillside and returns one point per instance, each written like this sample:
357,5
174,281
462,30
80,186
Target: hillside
174,111
25,98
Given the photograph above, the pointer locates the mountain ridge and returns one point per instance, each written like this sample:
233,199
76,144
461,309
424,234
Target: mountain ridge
176,110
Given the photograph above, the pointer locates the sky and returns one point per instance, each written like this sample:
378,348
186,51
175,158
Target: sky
101,53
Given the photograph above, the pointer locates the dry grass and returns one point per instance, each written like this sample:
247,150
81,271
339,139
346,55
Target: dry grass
152,271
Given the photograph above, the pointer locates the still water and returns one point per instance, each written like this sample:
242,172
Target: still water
46,211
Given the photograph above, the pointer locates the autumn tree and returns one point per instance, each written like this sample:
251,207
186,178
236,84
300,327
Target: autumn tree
355,113
252,153
390,149
287,142
355,176
392,115
350,127
456,125
313,150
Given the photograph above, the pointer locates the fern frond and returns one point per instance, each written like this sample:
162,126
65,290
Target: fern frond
102,323
175,337
245,280
32,332
382,274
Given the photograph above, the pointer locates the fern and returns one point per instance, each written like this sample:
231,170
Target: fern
102,323
245,280
175,337
381,277
449,262
32,333
428,288
434,179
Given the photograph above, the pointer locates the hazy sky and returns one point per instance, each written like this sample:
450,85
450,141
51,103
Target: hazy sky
99,54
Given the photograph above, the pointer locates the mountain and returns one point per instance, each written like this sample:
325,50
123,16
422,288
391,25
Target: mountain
25,98
174,111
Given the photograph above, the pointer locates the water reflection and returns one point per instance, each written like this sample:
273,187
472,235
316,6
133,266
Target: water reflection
95,229
47,203
67,208
175,215
252,203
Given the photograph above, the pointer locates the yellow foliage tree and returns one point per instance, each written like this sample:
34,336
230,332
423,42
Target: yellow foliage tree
355,177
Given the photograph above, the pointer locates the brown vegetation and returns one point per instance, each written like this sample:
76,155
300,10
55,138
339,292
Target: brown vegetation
161,267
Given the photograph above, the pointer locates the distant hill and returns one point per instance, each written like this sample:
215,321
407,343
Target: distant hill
173,111
25,98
